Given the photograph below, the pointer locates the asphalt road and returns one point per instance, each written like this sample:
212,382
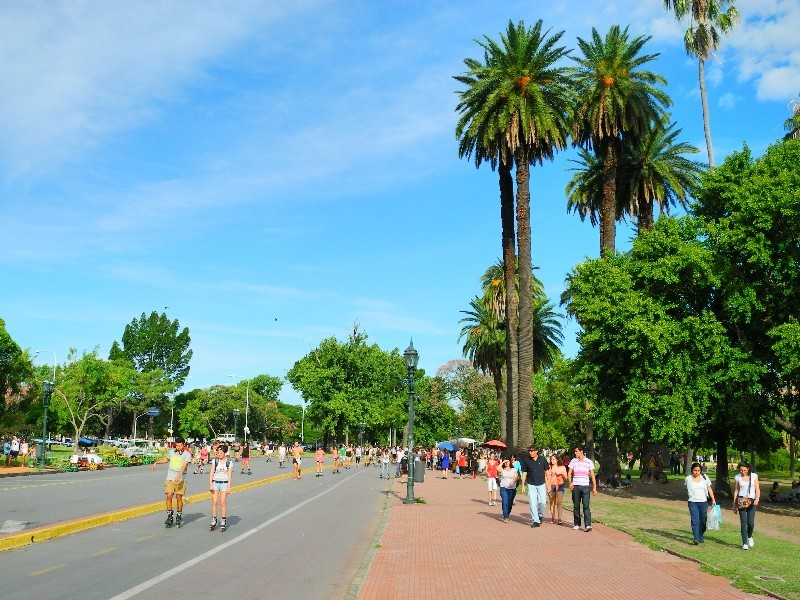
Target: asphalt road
299,539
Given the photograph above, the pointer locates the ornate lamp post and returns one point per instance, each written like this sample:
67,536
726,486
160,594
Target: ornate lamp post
47,391
412,359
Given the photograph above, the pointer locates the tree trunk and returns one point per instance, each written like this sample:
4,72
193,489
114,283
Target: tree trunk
608,212
497,376
525,341
609,458
509,278
722,487
704,101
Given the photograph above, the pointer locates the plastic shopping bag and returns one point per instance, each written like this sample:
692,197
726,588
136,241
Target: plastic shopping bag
718,509
712,519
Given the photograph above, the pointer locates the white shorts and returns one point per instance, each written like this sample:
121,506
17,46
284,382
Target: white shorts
219,486
491,484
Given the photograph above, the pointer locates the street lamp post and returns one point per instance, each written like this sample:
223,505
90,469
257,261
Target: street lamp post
412,359
171,397
235,422
47,391
303,423
246,410
135,422
361,427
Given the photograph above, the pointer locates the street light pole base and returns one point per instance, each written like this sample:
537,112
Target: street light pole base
409,500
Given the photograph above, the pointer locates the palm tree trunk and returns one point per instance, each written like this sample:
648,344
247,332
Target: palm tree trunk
497,376
644,219
509,277
706,120
608,210
524,268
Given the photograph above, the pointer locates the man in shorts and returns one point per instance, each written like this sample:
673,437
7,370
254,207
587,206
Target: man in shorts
297,457
179,459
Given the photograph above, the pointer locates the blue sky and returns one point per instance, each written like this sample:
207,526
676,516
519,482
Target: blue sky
274,172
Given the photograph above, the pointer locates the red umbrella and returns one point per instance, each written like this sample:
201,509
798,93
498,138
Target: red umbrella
494,444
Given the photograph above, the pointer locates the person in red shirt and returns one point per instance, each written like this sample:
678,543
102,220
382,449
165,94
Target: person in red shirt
491,478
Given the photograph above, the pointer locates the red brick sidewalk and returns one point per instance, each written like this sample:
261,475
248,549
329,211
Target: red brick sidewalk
455,546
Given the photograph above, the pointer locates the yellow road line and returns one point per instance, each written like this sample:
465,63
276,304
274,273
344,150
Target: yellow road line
48,569
105,551
50,532
145,538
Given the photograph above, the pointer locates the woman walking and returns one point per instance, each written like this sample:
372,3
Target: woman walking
445,464
508,487
699,489
556,476
746,495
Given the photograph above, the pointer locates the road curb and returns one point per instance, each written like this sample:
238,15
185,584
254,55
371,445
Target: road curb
49,532
354,591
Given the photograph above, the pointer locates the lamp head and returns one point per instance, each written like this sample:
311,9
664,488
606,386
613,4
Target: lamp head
411,356
47,391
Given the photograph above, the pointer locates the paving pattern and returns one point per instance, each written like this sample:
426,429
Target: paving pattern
455,546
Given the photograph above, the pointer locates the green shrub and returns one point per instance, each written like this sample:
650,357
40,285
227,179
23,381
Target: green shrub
775,461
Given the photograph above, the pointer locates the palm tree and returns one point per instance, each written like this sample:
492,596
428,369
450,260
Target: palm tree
514,107
493,284
707,20
655,170
617,98
792,124
652,169
485,346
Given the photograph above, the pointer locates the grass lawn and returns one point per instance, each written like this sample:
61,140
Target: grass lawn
657,515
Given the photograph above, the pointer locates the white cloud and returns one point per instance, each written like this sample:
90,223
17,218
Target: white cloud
728,100
76,72
766,46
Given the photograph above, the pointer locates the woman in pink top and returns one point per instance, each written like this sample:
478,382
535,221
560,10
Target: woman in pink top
556,476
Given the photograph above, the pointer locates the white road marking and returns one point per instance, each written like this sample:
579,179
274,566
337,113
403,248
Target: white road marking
197,559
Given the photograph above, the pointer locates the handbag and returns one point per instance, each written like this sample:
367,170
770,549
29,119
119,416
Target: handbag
743,503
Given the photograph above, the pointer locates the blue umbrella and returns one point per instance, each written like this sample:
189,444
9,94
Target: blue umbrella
447,446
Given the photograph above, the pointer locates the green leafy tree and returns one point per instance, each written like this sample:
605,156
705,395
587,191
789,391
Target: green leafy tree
558,410
15,369
707,20
347,383
750,214
514,107
82,393
154,342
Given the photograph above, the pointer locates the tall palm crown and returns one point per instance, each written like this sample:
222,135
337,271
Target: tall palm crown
652,169
707,20
616,98
514,107
513,102
655,170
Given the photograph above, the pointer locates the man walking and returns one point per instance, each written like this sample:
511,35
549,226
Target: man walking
580,474
534,467
179,459
297,457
